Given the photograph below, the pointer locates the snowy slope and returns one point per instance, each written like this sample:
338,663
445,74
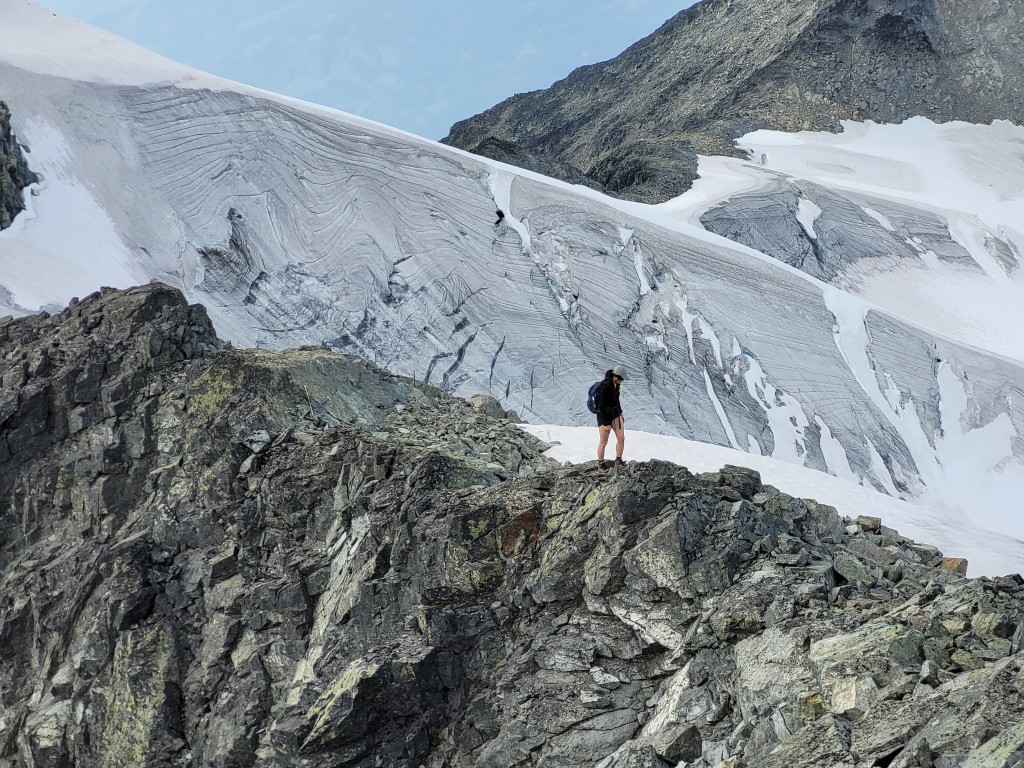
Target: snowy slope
296,224
924,220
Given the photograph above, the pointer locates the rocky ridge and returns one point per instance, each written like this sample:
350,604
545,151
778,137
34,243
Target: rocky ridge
726,67
14,172
228,557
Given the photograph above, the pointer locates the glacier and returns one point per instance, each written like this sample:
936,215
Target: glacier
920,219
816,335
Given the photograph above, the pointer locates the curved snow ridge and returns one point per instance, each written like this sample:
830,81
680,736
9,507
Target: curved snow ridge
36,39
501,190
31,34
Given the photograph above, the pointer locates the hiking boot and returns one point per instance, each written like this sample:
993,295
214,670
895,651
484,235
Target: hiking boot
602,465
619,462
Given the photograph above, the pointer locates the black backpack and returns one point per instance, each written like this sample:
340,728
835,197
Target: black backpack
592,396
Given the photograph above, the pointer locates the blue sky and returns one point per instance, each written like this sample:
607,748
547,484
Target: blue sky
419,66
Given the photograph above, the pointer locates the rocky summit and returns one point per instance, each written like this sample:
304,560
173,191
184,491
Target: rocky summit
225,557
14,172
726,67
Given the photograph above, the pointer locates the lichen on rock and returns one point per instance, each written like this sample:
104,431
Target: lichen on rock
227,557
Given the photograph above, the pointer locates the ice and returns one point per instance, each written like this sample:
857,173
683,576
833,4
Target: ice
967,176
86,229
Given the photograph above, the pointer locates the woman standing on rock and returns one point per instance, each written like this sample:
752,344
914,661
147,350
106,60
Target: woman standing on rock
609,416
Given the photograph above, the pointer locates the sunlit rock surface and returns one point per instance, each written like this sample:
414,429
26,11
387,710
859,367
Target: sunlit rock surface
235,557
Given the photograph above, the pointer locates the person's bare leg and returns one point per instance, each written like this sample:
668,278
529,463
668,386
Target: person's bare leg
620,437
602,441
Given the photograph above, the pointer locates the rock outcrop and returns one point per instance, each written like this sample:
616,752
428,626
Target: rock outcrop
726,67
227,557
14,172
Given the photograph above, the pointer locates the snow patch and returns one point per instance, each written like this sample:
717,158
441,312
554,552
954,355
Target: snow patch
807,213
786,418
500,183
630,243
836,460
720,410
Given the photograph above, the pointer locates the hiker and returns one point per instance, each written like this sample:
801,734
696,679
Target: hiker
609,415
501,217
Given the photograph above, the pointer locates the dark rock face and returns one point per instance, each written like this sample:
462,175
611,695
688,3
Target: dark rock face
233,558
513,154
14,172
726,67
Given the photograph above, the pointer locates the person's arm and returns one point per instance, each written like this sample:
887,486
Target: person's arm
603,401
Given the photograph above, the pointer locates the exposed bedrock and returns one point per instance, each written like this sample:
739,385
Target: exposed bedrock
229,557
14,172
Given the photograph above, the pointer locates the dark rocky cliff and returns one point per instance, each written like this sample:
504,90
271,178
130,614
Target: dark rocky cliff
14,172
726,67
220,557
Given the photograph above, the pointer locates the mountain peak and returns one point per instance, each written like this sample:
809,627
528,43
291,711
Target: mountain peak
726,67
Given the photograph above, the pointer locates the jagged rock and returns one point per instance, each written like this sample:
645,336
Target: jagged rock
679,744
400,579
852,569
955,564
14,172
852,696
869,523
1003,751
488,406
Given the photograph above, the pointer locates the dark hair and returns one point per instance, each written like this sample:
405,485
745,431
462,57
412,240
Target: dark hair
609,374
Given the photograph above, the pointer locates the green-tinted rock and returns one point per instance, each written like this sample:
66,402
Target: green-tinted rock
853,570
398,579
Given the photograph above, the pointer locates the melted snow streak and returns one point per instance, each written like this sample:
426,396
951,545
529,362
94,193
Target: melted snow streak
302,227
